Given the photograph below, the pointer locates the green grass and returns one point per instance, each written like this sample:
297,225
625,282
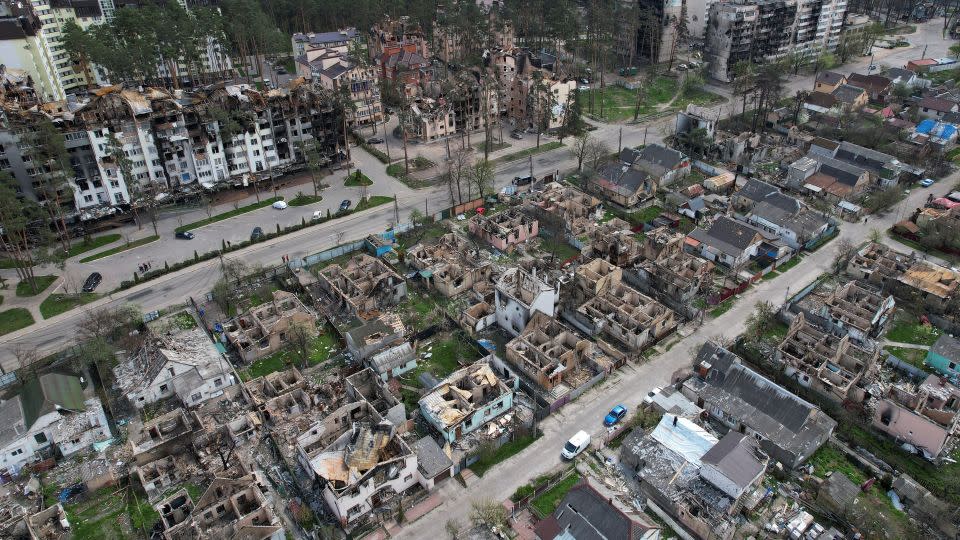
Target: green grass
619,103
446,355
562,250
320,350
357,179
776,332
503,453
227,215
913,357
14,319
789,264
370,202
549,500
94,243
56,304
494,146
696,96
723,307
121,248
912,331
41,282
545,147
648,214
829,458
304,200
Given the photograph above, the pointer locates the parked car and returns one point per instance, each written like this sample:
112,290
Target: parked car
577,444
516,135
92,281
281,70
374,140
648,399
256,234
681,67
927,182
279,205
345,205
185,235
615,415
317,216
584,88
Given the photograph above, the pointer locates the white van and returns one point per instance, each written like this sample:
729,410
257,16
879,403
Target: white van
578,443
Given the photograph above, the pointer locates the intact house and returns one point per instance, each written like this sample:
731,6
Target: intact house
466,401
186,365
788,428
828,81
885,170
621,319
637,175
393,362
51,410
552,356
504,230
829,178
924,415
856,308
937,107
586,513
850,98
358,461
266,328
786,217
229,508
833,366
944,357
733,243
452,265
521,294
362,286
876,86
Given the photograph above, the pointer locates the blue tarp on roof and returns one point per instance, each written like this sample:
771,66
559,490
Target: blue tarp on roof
948,131
926,126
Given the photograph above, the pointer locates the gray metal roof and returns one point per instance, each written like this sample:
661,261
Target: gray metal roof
735,455
947,347
586,515
430,457
391,358
756,190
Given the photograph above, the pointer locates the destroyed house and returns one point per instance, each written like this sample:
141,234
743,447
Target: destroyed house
566,203
925,416
265,328
584,513
789,429
233,509
362,286
278,383
878,264
931,283
856,308
365,385
679,275
452,265
521,294
186,364
162,436
504,230
466,401
553,356
50,523
834,366
159,475
375,335
614,242
358,461
633,320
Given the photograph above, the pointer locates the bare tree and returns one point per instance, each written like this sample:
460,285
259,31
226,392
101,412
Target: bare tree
579,148
457,170
482,176
300,339
845,251
596,152
487,513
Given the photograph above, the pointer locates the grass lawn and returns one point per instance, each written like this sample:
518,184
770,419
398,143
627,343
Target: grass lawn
227,215
647,214
913,357
723,307
494,146
544,147
909,330
789,264
549,500
109,514
619,103
357,179
322,347
14,319
829,458
41,282
370,202
563,250
56,304
94,243
421,310
445,355
696,96
303,200
118,249
503,453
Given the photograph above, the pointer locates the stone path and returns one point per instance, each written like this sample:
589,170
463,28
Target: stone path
888,343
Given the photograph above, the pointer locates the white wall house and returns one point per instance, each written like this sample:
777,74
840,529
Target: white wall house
518,295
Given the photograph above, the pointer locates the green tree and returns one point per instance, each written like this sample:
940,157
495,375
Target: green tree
762,320
482,176
16,214
51,160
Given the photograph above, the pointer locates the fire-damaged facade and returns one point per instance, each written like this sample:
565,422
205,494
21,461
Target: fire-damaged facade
466,401
362,286
504,230
452,265
669,269
264,329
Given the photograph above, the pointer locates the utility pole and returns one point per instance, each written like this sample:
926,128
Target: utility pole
620,140
531,168
645,128
396,210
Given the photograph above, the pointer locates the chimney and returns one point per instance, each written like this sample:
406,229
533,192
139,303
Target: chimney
674,420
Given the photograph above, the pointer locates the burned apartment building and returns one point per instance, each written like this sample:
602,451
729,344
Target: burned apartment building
266,328
452,265
647,31
553,357
229,508
466,401
856,308
924,415
833,366
669,270
788,428
358,461
621,319
519,295
504,230
362,286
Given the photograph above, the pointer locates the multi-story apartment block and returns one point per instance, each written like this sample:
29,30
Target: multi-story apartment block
333,69
635,40
23,47
340,41
764,30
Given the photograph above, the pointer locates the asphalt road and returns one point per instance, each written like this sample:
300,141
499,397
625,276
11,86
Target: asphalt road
50,335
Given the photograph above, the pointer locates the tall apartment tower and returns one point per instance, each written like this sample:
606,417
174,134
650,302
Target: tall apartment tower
652,36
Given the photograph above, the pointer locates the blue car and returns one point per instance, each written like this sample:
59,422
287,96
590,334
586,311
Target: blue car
615,415
926,182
